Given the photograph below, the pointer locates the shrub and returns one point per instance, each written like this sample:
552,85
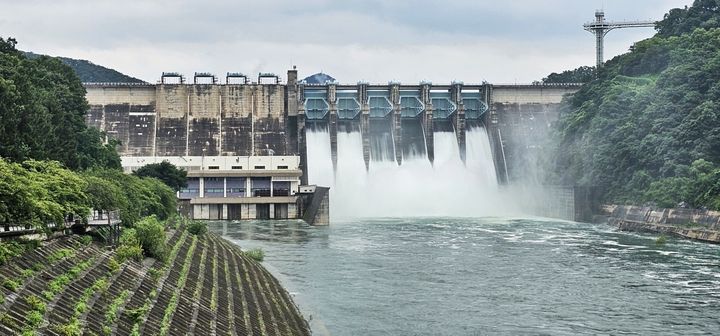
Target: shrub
61,254
661,240
26,273
113,265
11,284
155,273
129,246
73,328
36,303
33,318
197,228
137,314
9,250
86,240
256,254
151,235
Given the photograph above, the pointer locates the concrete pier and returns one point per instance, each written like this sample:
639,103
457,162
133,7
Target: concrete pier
332,124
396,123
365,133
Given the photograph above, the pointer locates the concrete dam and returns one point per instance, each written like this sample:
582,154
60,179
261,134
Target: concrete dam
243,120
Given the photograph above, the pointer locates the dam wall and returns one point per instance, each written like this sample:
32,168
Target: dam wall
398,121
193,119
519,122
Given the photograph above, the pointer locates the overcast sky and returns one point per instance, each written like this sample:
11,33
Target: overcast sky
369,40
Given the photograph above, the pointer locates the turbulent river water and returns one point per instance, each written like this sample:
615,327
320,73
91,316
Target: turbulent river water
480,276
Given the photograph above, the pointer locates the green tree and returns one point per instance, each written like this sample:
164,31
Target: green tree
165,171
104,194
582,74
144,196
40,192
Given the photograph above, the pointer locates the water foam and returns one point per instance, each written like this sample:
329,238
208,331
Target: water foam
416,188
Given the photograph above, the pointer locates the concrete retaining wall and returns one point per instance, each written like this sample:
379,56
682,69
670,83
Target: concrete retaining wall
688,223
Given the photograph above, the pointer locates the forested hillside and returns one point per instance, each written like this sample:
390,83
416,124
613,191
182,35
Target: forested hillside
90,72
42,113
648,128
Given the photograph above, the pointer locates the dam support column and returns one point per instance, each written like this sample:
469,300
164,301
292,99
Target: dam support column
364,123
396,122
459,119
460,130
291,90
302,144
427,121
332,124
492,126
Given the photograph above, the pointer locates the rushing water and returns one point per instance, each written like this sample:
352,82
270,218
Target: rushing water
478,276
415,188
393,263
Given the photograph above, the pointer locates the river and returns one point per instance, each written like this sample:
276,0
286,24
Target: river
479,276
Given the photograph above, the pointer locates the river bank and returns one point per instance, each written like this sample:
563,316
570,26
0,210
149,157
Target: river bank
702,225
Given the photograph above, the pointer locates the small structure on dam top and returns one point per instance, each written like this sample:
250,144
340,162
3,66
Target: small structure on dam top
212,128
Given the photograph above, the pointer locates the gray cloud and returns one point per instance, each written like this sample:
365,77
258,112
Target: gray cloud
376,40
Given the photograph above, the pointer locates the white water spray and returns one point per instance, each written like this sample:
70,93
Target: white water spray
416,188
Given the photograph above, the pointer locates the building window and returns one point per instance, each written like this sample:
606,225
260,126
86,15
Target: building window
214,167
236,190
259,167
282,167
236,167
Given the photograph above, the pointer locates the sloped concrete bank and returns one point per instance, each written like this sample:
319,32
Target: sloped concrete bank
702,225
207,286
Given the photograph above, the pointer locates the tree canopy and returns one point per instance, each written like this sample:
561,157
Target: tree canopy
165,171
582,74
648,129
678,21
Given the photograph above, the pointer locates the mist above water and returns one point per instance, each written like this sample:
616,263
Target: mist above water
416,188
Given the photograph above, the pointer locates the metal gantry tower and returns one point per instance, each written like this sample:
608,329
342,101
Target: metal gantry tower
600,28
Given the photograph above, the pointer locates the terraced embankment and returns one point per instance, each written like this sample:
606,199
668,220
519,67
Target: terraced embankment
206,287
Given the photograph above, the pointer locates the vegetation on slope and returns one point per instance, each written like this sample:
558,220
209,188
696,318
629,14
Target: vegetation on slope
648,129
582,74
206,286
89,72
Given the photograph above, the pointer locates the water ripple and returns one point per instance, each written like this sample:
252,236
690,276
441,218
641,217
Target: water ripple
500,276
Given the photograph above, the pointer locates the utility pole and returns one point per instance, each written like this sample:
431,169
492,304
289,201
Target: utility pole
600,28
